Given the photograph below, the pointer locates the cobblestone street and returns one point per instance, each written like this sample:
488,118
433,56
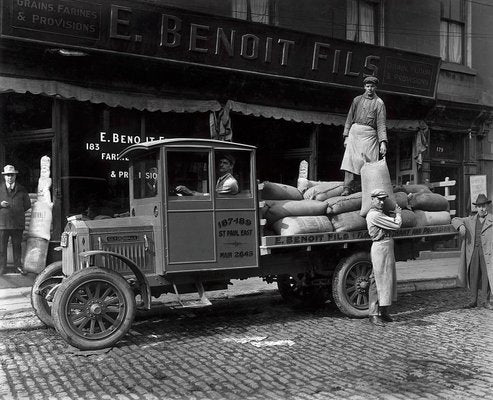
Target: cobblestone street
256,347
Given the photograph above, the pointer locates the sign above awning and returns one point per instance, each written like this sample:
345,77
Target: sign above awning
137,101
153,31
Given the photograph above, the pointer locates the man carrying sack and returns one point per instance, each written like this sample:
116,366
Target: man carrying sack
383,282
365,132
14,202
476,261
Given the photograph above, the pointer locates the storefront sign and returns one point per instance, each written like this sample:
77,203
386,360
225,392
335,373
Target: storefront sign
105,146
477,186
181,36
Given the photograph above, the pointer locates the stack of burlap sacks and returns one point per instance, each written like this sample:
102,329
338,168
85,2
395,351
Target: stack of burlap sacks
319,207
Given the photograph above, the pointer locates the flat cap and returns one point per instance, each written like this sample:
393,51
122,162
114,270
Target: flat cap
371,79
381,194
228,157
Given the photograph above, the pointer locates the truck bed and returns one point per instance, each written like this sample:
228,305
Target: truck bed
268,243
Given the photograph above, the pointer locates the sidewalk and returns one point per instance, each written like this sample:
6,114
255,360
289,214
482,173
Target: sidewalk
430,272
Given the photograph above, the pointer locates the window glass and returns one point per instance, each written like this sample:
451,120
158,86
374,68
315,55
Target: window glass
232,173
361,20
452,27
253,10
188,174
145,177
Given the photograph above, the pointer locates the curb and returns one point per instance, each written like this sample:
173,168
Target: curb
414,285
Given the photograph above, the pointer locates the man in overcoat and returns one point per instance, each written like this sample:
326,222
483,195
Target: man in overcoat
476,260
365,132
383,281
14,202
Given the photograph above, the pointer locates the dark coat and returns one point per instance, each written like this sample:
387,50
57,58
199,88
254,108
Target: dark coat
467,246
13,217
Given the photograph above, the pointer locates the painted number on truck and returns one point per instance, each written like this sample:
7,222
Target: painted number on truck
236,239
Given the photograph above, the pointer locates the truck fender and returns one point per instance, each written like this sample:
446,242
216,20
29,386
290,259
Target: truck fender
142,282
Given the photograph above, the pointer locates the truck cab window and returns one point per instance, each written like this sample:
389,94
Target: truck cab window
232,173
145,178
188,174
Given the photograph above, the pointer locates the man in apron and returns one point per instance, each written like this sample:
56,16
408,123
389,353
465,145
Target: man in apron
383,287
476,261
365,132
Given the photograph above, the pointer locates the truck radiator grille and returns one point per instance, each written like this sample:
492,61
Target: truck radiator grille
135,251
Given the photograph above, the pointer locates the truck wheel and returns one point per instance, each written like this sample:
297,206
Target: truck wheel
293,291
50,277
94,308
351,284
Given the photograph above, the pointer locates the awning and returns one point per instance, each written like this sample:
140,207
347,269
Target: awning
287,114
111,98
311,117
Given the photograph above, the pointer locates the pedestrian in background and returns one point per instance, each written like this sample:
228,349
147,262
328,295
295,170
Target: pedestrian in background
365,133
14,202
383,281
476,261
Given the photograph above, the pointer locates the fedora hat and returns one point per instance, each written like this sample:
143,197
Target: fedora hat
9,170
481,199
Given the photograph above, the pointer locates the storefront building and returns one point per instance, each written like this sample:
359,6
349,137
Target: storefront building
80,81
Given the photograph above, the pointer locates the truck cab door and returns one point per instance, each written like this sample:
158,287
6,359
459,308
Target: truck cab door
212,224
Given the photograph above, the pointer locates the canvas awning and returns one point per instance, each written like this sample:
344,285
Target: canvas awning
287,114
310,117
138,101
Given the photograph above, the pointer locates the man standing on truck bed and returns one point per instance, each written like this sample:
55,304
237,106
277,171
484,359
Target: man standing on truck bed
383,287
365,132
476,261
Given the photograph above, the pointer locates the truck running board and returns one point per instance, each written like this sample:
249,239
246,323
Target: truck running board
202,301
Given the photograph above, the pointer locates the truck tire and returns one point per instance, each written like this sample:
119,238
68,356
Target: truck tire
50,277
93,308
293,292
351,283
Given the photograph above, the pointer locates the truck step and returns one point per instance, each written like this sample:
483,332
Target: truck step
202,301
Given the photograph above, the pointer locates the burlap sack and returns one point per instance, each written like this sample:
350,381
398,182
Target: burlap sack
279,191
342,204
375,175
412,188
401,199
408,219
429,218
428,201
40,223
296,225
277,209
35,256
304,184
349,221
324,191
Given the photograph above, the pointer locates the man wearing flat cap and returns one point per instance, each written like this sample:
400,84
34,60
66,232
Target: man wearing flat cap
476,261
14,202
226,182
365,132
383,282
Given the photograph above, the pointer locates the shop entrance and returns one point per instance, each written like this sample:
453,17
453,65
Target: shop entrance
25,152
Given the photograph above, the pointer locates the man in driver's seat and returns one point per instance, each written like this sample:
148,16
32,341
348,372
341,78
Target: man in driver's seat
226,183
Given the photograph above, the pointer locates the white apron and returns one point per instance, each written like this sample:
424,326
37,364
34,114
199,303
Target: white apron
362,146
383,260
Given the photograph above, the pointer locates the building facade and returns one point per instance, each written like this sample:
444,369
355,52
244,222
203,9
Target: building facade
80,81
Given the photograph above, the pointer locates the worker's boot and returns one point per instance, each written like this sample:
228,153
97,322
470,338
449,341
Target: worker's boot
384,314
376,320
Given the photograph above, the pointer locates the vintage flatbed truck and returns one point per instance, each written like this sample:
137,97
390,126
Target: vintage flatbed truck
178,244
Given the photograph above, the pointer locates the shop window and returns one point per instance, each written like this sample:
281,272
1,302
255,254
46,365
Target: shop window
188,175
145,177
263,11
363,21
24,112
160,125
452,31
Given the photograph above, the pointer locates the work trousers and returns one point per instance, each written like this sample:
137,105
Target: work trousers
16,236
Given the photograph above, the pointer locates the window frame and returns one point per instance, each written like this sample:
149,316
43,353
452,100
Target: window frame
272,7
378,22
446,17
